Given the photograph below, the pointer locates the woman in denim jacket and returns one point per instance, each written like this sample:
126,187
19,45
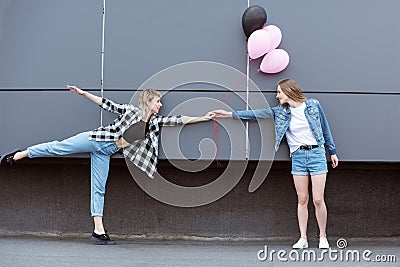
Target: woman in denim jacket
307,132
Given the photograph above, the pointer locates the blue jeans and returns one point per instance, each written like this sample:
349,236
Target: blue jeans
100,153
309,162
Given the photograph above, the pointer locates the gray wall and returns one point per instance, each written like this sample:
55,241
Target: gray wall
343,53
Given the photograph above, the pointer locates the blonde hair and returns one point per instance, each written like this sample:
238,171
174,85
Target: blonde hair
147,95
292,90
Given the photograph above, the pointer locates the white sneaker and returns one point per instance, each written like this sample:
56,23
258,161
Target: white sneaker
301,243
323,243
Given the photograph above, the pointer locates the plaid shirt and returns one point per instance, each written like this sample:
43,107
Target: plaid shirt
143,153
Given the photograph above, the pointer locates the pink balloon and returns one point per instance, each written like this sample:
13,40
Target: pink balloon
275,61
259,43
275,34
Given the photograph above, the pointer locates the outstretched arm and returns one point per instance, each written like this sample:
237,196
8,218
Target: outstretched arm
245,114
94,98
219,113
180,119
207,117
104,103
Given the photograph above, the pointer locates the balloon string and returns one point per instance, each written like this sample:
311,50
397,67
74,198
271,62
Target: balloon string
216,127
224,100
216,143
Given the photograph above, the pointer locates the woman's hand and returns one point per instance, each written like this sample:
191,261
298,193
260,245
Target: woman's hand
207,117
96,99
210,115
75,89
335,161
219,113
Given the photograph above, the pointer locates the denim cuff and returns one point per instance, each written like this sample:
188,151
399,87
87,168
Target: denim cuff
235,115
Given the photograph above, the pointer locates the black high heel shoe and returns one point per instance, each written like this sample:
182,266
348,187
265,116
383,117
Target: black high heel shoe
9,158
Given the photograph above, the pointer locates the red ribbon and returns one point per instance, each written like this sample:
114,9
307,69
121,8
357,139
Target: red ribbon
215,119
216,142
216,127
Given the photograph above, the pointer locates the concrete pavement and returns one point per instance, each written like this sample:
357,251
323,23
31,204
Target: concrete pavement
67,251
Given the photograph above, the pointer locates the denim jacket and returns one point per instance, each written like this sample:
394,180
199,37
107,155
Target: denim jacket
282,116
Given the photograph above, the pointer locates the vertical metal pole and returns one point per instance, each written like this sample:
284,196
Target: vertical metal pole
102,59
247,97
247,108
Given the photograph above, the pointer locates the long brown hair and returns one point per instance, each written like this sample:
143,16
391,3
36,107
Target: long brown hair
292,90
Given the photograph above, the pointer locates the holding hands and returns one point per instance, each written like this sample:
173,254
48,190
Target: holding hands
219,113
207,117
210,115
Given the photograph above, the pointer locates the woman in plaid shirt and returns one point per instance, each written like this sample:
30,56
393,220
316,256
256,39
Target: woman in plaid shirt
136,130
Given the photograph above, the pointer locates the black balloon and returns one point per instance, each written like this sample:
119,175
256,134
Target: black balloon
254,18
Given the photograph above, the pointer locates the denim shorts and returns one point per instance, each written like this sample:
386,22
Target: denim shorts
309,162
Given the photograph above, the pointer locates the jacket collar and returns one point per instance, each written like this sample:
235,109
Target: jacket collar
286,107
